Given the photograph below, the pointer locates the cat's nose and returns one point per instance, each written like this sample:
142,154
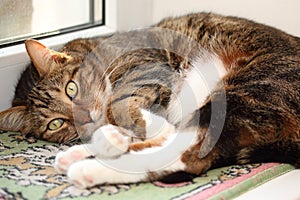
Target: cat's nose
81,115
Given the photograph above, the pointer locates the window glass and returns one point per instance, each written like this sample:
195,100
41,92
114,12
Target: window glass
21,19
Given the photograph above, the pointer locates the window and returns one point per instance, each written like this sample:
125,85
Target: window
21,19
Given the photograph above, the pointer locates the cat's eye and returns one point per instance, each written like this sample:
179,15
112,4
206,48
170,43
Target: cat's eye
71,89
55,124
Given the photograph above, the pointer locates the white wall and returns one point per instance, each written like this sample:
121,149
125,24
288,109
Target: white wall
283,14
129,14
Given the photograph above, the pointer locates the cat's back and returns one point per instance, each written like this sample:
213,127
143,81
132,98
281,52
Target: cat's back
229,33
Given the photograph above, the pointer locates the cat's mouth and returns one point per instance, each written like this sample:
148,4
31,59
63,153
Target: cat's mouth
86,120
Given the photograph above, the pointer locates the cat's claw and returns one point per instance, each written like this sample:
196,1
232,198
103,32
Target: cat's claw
108,142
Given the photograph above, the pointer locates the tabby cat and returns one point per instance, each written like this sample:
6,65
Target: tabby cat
188,94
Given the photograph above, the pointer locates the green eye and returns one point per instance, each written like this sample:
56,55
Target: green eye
71,89
55,124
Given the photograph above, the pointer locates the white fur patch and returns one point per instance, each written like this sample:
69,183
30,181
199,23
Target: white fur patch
108,142
198,84
157,158
156,125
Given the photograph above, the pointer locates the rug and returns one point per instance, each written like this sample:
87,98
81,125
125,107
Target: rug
26,172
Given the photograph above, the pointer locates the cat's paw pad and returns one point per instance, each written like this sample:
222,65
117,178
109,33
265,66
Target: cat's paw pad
63,160
109,142
85,174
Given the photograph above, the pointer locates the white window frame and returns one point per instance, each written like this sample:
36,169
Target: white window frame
118,17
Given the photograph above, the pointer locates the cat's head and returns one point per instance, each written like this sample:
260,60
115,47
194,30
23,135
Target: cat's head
65,103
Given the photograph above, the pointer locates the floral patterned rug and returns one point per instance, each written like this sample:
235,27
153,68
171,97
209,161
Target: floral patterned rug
26,172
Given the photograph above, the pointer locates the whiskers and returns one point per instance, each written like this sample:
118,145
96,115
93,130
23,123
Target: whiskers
75,139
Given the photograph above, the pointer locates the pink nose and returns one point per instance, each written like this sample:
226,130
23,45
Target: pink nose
81,115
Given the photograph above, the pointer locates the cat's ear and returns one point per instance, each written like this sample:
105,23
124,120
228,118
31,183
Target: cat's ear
14,119
44,58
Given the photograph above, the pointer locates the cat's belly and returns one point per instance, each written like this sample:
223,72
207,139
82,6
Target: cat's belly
203,77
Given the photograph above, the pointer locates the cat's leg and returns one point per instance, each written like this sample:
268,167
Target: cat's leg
107,142
89,173
110,141
158,129
145,165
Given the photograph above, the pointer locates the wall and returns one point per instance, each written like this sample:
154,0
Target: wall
125,15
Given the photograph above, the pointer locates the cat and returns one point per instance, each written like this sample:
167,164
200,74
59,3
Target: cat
141,100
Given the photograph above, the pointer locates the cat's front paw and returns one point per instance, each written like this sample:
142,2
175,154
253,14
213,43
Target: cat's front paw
64,160
86,173
108,142
91,172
